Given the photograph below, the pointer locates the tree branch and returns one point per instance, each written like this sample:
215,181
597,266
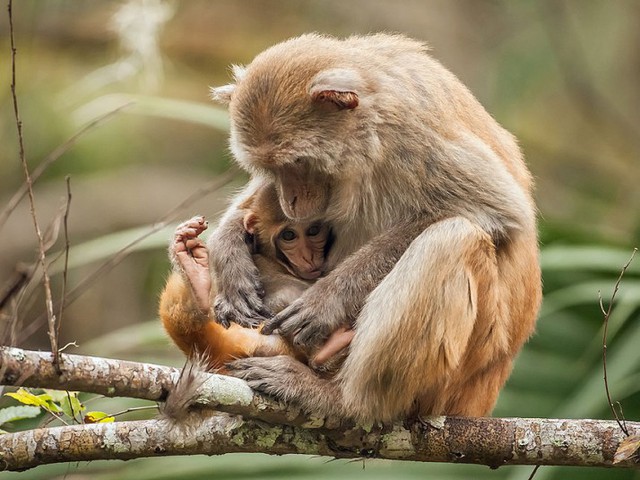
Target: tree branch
121,378
487,441
53,339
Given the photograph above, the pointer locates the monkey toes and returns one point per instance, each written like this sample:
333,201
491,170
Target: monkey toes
191,255
278,376
192,227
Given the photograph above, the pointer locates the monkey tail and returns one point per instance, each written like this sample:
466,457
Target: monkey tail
186,389
416,326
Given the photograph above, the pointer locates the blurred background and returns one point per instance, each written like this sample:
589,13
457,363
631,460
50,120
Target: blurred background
114,95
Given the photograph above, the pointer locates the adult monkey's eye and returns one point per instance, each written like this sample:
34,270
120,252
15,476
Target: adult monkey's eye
288,235
313,230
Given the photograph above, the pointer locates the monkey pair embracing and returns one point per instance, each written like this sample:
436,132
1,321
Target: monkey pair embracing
433,260
288,256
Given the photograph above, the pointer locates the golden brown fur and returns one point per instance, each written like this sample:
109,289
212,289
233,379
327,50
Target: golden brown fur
194,332
185,308
185,311
435,260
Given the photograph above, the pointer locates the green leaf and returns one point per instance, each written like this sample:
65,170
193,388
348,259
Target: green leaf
43,400
98,417
56,395
49,404
12,414
71,406
27,398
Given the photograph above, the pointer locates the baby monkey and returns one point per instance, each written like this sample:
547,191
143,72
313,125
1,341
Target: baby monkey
289,256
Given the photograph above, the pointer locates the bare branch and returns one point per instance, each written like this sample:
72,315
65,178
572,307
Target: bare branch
67,244
134,409
74,293
534,471
52,157
53,339
120,378
485,441
607,314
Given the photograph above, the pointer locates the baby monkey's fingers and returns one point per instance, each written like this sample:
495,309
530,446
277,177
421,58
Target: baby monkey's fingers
234,309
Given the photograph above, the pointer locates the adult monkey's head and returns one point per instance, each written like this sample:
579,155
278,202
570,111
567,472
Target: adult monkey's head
295,118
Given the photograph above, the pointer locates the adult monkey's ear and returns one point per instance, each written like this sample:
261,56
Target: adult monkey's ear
336,86
223,94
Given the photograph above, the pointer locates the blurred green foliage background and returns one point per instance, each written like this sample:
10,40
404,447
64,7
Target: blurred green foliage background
563,76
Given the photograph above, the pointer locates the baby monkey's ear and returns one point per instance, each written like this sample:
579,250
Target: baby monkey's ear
250,222
337,86
223,94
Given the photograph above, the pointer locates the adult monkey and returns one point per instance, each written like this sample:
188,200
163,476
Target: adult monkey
435,258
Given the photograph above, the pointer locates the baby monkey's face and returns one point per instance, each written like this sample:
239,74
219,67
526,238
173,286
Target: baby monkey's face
302,248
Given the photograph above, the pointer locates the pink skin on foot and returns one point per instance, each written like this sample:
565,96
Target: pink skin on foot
191,255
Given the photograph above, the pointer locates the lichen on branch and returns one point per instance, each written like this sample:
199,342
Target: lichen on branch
269,427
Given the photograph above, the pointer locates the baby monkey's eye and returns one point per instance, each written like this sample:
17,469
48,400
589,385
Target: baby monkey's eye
313,230
288,235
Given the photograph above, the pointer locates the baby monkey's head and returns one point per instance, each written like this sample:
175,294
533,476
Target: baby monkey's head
300,247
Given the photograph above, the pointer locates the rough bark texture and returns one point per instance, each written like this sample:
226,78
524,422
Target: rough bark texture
121,378
112,378
488,441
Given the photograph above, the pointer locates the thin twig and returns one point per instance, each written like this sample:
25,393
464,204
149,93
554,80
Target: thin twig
134,409
162,223
607,314
533,473
54,417
20,296
52,157
73,413
20,288
624,420
74,293
31,269
43,263
70,344
67,244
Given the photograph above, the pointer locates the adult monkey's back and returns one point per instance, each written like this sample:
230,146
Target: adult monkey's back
436,258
